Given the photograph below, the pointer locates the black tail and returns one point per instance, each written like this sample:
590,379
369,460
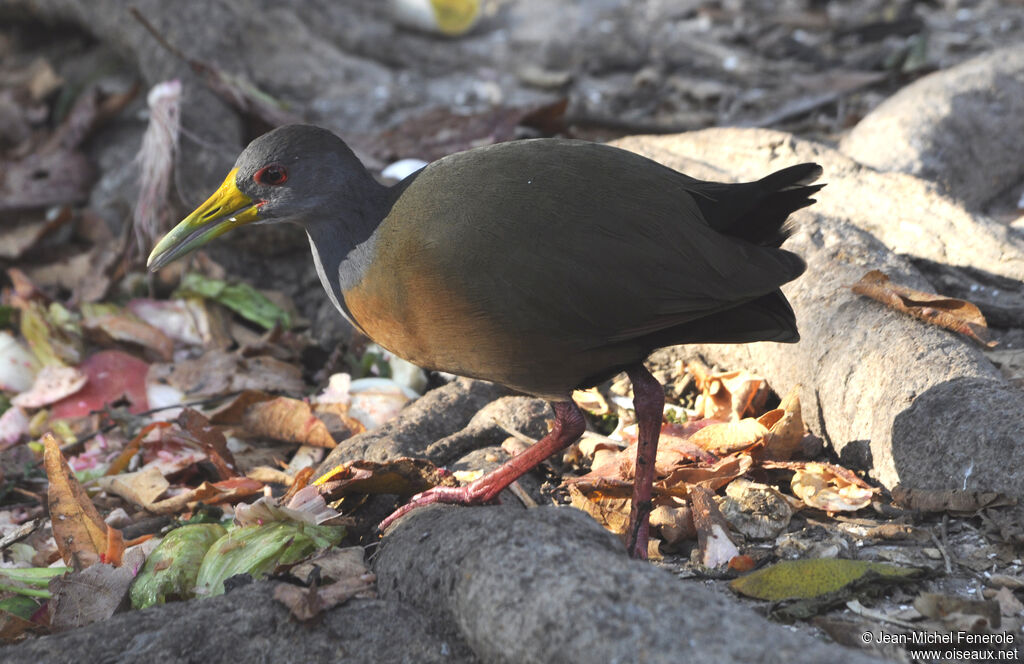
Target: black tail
757,211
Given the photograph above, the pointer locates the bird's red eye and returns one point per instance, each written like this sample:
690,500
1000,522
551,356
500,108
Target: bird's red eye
272,174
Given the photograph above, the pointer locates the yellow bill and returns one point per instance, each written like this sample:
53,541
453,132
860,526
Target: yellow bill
226,209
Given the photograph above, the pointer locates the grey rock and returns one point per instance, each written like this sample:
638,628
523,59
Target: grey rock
492,425
248,625
439,413
550,585
961,127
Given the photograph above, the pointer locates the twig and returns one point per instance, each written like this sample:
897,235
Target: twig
942,547
861,610
20,533
521,494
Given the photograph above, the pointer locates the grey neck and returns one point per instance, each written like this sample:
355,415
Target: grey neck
342,245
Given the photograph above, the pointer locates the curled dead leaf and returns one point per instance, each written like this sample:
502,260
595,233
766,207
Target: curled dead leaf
78,528
820,485
287,419
957,315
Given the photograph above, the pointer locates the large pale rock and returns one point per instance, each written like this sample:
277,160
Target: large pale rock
249,625
962,127
550,585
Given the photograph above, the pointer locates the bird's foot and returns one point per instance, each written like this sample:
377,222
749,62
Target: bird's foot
478,492
568,426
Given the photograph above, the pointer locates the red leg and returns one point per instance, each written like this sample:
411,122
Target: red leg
569,425
649,403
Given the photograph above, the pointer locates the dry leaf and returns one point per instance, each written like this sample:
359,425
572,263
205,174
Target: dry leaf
93,594
959,612
712,476
78,529
205,435
713,538
122,327
1009,605
592,401
286,419
113,375
726,437
612,512
52,384
953,314
785,430
142,488
820,486
228,491
727,396
402,476
674,522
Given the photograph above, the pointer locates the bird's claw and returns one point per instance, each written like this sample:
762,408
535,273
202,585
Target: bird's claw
474,493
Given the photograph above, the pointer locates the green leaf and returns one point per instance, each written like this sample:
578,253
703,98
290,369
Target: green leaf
804,579
19,605
243,299
29,581
258,550
171,570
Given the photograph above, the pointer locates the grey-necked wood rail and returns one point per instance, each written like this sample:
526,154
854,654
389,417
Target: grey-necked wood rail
545,265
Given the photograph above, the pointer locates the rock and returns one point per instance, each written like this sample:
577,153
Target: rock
549,584
248,625
960,127
437,414
491,426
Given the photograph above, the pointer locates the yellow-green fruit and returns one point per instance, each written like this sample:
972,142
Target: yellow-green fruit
172,568
447,17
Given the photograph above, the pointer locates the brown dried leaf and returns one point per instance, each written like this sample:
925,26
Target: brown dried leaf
402,476
953,314
204,434
712,476
218,372
818,485
957,612
228,491
785,428
93,594
142,488
674,522
16,239
713,538
727,437
727,396
234,410
123,327
612,512
592,401
289,420
78,529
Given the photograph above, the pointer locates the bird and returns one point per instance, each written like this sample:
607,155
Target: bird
546,265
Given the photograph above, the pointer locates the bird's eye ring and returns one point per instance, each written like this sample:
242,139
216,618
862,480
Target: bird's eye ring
271,174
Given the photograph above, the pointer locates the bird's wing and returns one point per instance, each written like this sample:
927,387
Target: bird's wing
580,240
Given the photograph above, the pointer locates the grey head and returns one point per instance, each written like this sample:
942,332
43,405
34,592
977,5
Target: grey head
303,174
